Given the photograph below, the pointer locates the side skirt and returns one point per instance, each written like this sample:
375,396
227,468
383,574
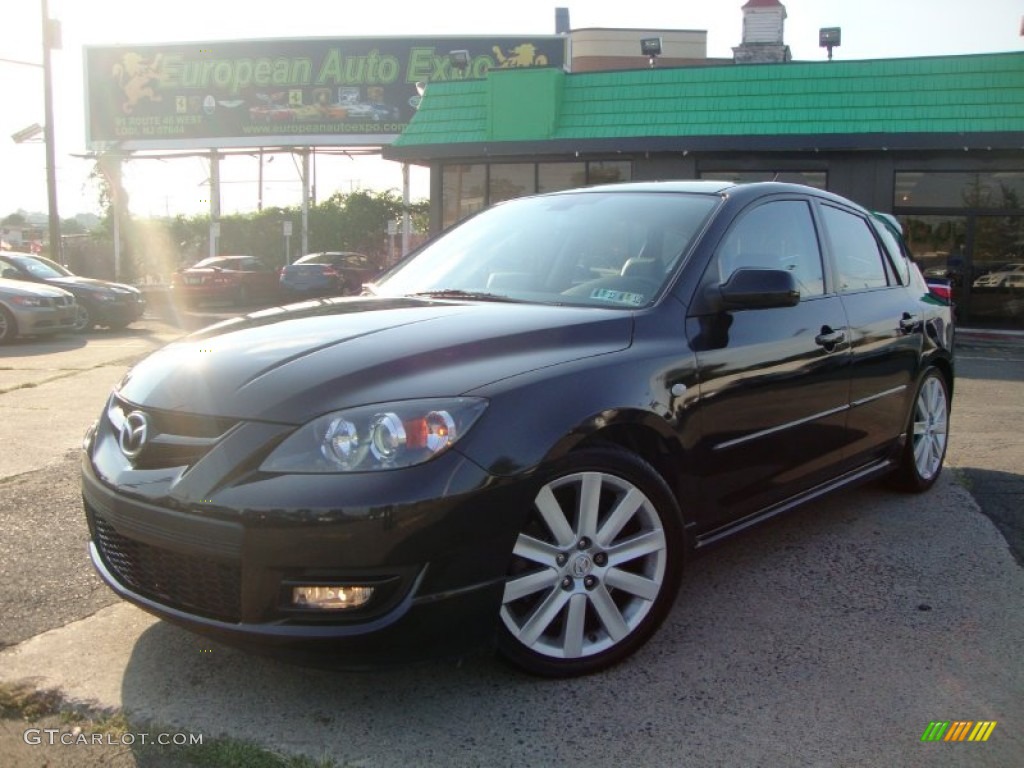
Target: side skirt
855,477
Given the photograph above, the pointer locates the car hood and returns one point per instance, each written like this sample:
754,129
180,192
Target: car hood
73,282
292,364
23,288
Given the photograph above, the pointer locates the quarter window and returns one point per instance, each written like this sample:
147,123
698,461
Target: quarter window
859,263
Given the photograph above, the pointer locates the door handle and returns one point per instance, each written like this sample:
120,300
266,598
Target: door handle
830,339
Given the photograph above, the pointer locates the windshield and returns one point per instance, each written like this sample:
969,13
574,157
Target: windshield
44,269
607,248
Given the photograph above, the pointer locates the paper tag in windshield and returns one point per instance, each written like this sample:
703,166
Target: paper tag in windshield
621,297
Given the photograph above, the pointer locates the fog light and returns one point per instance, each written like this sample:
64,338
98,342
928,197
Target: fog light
331,598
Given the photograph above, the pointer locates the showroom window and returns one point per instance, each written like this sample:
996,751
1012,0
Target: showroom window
508,180
463,191
969,228
931,189
469,188
552,177
816,179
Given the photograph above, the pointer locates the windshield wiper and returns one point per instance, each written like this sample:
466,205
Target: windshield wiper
452,293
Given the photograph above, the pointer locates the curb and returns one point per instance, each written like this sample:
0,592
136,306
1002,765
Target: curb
990,334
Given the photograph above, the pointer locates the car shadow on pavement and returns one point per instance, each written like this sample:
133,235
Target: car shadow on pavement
26,346
999,495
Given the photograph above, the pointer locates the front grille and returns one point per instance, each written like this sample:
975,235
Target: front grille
190,583
175,439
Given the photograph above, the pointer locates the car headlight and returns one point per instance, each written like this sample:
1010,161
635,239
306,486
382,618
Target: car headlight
104,296
373,437
28,301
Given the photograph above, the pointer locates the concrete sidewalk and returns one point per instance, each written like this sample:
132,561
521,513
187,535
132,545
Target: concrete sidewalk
51,390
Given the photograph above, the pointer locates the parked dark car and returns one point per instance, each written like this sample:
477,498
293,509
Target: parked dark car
99,302
235,280
527,429
331,273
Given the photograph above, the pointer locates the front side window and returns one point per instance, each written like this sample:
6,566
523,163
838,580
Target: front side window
859,262
776,235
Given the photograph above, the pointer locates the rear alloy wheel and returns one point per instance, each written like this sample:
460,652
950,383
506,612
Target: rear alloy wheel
8,326
596,567
927,435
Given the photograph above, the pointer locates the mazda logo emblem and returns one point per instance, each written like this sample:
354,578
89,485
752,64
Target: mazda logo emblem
581,566
134,433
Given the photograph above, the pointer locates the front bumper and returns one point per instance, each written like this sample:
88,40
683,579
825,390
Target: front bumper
436,548
120,312
37,321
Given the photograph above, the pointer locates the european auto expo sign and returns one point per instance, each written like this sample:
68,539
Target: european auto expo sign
252,93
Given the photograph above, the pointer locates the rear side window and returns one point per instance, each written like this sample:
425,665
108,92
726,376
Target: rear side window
859,261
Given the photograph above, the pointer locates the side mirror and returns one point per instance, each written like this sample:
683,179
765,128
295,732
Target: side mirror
749,288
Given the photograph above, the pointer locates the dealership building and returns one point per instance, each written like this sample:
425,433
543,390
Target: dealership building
937,141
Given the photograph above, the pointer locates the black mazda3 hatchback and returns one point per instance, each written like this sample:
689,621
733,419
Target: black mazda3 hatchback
525,430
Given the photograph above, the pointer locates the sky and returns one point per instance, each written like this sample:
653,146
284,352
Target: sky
871,29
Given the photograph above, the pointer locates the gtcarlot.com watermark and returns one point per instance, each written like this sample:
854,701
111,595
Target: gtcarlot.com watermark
76,736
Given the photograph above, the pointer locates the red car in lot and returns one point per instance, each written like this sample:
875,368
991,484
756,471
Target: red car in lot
236,280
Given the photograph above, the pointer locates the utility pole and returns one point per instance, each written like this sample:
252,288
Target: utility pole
51,39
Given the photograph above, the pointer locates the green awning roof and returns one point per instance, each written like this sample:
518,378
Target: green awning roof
973,101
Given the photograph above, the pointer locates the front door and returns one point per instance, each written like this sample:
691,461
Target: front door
774,383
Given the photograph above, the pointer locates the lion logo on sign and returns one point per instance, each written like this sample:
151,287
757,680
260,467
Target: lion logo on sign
136,76
524,55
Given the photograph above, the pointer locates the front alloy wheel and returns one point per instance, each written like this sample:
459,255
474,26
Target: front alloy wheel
83,320
596,567
8,326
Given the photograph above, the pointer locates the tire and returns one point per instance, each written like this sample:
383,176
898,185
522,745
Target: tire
8,326
927,435
585,591
242,297
83,320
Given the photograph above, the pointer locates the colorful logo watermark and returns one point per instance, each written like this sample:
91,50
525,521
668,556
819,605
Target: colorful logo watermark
958,730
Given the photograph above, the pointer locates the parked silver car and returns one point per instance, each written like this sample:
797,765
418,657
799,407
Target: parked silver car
30,309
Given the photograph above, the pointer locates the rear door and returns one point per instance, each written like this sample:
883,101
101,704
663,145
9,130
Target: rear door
886,328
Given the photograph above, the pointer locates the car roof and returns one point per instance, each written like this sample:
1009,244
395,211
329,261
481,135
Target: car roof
741,191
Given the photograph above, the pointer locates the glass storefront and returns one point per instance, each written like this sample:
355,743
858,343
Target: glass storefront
463,191
969,227
816,179
552,177
466,189
508,180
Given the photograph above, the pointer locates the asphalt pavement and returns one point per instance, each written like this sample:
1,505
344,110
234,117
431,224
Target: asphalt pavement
832,636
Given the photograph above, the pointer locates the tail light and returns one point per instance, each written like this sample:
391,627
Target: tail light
941,290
